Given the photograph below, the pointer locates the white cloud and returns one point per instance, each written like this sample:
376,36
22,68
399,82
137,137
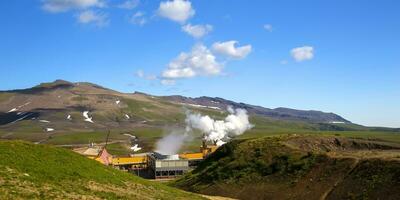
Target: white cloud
268,27
129,4
141,74
56,6
228,49
168,82
197,31
97,18
176,10
200,61
138,18
302,53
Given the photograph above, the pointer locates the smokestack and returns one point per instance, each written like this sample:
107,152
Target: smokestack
204,141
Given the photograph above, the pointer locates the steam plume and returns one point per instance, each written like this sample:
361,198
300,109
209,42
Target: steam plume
219,131
171,143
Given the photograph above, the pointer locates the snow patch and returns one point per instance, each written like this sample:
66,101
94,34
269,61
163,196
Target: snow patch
87,118
44,121
337,122
127,116
117,102
49,129
201,106
27,103
132,136
135,148
69,117
12,110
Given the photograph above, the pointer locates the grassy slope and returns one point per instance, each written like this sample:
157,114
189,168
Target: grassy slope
4,96
29,171
264,168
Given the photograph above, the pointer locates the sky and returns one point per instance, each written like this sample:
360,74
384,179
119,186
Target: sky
330,55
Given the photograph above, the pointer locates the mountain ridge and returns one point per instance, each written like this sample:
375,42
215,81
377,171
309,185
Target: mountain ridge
210,102
66,113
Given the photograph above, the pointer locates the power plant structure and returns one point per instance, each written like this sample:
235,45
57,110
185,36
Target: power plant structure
151,165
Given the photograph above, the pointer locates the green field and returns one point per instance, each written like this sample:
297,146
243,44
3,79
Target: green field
29,171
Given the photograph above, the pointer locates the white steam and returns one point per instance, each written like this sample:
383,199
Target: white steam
219,131
170,144
216,131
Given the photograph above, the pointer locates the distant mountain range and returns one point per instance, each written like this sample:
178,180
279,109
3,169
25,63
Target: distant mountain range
62,106
277,113
66,96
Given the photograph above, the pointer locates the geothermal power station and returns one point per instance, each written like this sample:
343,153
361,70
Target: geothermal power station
151,165
164,163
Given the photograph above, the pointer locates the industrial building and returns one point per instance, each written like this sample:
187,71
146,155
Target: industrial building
152,164
167,166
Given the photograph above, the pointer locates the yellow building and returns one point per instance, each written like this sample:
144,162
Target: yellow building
135,161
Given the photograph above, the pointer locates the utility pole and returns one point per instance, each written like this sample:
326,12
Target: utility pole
108,135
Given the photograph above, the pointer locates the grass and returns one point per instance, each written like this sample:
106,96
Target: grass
241,161
265,168
5,96
152,112
79,98
84,137
379,135
118,149
30,171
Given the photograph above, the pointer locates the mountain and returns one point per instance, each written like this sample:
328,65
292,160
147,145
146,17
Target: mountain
299,168
66,113
29,171
74,98
277,113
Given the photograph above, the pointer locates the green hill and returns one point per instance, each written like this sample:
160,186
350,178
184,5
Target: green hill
299,168
29,171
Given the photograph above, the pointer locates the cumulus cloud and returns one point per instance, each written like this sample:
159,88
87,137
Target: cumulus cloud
197,31
138,18
129,4
90,16
302,53
56,6
200,61
229,49
176,10
268,27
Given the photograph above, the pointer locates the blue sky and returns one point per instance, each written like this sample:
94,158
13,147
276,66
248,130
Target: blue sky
332,55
